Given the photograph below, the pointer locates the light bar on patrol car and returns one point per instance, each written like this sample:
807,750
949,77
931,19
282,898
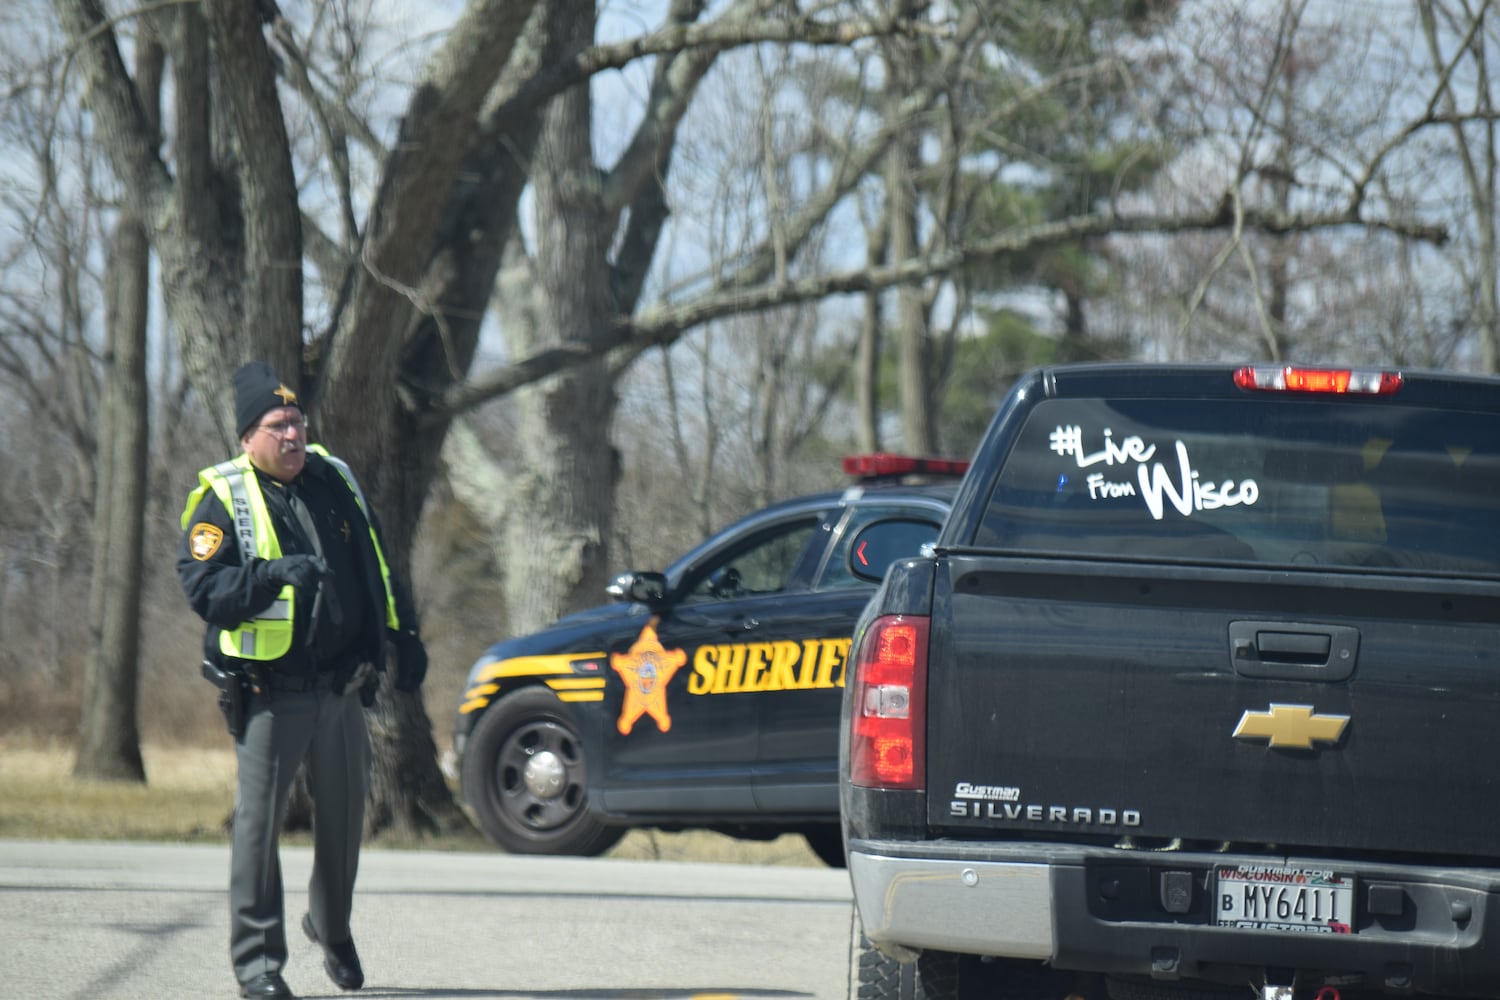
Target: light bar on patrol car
881,463
1294,379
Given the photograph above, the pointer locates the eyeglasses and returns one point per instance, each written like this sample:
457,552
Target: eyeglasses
281,427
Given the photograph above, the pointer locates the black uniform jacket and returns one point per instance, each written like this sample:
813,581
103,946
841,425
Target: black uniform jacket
343,625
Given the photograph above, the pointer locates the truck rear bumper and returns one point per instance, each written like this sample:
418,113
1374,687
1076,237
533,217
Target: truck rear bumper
983,907
1416,929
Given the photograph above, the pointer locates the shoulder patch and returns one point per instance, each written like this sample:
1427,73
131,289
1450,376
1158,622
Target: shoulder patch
205,540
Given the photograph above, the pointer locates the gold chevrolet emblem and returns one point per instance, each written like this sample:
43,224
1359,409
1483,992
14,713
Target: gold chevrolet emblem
1291,726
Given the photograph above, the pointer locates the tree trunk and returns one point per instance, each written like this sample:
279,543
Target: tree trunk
408,794
438,227
566,468
867,355
109,740
1481,176
903,160
109,735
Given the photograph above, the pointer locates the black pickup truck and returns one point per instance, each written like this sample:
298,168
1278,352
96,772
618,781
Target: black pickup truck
1197,695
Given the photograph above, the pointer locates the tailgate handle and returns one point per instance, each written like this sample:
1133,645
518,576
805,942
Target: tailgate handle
1293,647
1293,650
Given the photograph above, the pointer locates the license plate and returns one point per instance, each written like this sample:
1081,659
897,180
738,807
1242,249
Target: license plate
1283,898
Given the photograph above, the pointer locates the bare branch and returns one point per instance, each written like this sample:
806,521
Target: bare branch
650,148
724,32
1236,238
113,98
334,119
416,181
1431,117
666,324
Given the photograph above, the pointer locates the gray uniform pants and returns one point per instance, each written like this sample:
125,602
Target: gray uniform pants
329,731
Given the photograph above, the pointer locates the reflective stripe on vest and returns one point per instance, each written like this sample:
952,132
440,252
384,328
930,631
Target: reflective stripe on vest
267,636
392,620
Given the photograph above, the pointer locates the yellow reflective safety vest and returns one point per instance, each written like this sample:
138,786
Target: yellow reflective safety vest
268,636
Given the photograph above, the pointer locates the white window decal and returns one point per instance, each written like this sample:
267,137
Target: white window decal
1184,488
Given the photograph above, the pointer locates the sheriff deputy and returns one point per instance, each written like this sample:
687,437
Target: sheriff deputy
281,558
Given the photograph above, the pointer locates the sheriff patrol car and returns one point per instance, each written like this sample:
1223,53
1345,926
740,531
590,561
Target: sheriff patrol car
706,696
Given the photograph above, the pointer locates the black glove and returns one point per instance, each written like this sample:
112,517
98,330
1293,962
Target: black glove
411,661
301,571
369,692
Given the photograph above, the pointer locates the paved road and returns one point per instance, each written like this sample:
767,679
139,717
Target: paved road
109,921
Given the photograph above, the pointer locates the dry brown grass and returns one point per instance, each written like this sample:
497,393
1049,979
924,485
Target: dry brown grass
189,760
189,792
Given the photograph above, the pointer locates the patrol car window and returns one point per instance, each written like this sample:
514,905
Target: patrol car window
882,535
765,564
1305,483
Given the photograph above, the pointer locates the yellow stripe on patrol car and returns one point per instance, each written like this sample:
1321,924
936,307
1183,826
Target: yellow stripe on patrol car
577,688
532,666
485,686
574,683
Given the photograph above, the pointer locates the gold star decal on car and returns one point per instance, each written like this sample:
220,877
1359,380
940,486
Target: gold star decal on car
646,669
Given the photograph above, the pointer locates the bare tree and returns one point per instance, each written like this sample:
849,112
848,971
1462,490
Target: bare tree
50,295
109,734
227,228
1458,40
1298,115
903,163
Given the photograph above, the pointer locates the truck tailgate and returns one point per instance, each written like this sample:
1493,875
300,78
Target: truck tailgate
1204,704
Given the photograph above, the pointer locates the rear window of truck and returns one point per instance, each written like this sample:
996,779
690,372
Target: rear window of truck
1331,483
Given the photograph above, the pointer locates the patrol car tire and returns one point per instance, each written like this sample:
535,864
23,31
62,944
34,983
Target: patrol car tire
524,776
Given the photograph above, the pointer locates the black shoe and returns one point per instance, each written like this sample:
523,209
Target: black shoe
341,961
267,985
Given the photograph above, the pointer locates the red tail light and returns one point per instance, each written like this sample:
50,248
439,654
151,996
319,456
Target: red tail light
1293,379
887,745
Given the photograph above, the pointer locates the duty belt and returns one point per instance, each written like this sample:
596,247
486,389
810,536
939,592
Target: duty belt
321,681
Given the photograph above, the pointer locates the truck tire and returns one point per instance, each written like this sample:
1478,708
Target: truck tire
943,975
875,976
525,779
933,976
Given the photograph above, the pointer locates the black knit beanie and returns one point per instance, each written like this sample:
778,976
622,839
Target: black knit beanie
257,388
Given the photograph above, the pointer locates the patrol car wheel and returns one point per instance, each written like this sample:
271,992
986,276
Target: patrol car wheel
524,776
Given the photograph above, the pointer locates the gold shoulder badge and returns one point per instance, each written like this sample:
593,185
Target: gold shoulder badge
205,540
646,669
